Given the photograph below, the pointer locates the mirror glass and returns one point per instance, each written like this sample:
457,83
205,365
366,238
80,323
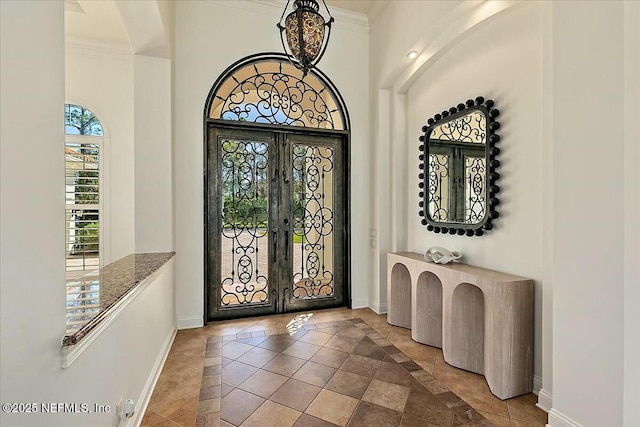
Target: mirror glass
459,154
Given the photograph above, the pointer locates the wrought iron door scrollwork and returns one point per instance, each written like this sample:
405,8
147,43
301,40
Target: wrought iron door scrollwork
269,89
313,221
244,222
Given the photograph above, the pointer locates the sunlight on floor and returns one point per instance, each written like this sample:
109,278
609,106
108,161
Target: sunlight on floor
297,322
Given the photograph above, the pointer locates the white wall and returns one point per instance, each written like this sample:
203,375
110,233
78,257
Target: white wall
481,61
588,213
210,36
32,294
153,151
631,408
101,78
558,100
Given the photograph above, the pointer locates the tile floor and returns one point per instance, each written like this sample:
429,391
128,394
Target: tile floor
340,367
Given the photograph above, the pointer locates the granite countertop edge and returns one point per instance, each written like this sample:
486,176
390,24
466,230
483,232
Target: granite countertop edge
117,280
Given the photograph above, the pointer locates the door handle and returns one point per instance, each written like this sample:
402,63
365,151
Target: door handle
286,245
274,238
284,175
275,176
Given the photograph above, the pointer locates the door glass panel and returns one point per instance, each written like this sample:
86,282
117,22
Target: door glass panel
475,172
313,221
245,222
438,187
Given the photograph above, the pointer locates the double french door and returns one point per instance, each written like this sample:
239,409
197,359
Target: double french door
275,221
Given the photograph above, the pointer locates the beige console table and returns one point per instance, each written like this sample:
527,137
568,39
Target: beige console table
482,319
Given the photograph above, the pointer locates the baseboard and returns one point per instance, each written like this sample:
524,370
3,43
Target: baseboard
190,322
147,390
359,303
558,419
545,400
537,384
377,307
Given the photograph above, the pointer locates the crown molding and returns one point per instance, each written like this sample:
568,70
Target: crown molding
73,6
356,21
376,9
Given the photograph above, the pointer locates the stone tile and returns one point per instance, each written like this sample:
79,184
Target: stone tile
425,404
257,357
392,349
410,420
277,343
152,419
351,332
393,373
316,337
263,383
238,405
213,344
399,357
465,414
210,381
423,378
234,349
524,408
271,414
450,399
410,365
209,406
315,374
178,407
333,407
235,373
253,340
329,357
386,394
226,389
368,415
296,394
434,387
212,361
285,365
499,421
213,353
518,423
307,420
208,420
302,350
342,343
361,365
349,384
210,392
189,385
368,348
212,370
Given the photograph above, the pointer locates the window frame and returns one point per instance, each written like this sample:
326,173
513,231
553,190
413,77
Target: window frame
104,256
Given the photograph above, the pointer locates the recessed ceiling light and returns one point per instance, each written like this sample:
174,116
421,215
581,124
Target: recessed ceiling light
412,55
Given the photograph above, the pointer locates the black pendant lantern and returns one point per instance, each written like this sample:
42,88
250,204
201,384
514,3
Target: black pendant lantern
304,29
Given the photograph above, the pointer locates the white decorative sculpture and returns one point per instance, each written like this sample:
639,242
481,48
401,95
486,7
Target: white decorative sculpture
441,255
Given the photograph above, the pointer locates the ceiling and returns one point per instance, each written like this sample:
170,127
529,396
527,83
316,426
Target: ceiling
362,6
100,21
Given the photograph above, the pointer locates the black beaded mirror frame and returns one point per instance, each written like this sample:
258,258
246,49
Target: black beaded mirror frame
490,187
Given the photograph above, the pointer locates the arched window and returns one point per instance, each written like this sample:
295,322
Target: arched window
83,181
266,88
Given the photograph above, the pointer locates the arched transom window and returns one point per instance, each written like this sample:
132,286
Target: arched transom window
266,88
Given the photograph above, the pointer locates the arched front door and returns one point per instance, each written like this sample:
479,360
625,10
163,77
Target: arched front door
276,182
